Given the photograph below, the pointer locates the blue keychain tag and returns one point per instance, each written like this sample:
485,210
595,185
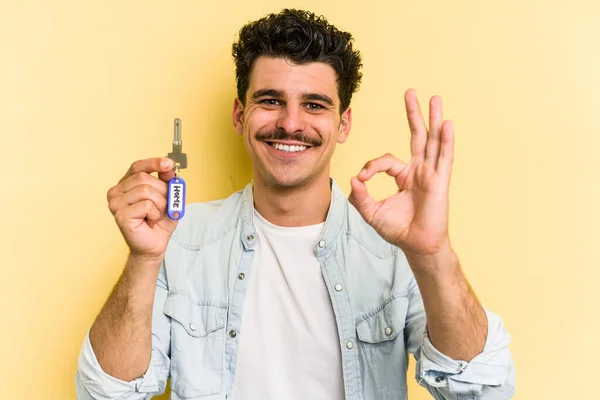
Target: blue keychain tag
176,198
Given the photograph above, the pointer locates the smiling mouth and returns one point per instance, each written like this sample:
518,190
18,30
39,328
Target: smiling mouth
288,148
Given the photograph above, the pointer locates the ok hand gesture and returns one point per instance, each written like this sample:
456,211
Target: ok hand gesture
415,218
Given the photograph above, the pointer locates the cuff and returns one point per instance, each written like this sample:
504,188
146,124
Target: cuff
93,381
490,368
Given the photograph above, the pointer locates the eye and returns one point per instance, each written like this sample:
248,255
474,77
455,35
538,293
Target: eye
270,102
314,106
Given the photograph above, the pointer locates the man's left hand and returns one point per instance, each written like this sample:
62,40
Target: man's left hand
415,218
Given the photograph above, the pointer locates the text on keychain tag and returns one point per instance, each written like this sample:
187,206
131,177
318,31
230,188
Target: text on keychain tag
176,196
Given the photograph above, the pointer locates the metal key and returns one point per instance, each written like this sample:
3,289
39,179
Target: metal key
177,155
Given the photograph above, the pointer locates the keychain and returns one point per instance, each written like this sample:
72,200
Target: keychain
177,189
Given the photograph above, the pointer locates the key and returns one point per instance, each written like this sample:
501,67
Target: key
176,155
177,188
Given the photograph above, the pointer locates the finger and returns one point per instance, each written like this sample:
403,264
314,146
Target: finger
435,127
418,130
131,216
139,179
361,199
444,165
386,163
137,194
149,166
166,176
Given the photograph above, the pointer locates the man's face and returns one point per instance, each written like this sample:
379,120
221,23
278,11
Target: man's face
291,122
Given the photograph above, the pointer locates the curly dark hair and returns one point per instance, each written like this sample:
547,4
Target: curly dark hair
301,37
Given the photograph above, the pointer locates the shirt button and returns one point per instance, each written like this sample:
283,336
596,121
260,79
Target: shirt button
250,237
349,344
338,287
439,379
388,331
232,334
241,276
321,243
193,326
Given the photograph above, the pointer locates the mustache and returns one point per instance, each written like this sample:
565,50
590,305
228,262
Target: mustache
281,134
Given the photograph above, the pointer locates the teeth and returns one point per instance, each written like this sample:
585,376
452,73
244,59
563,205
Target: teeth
288,149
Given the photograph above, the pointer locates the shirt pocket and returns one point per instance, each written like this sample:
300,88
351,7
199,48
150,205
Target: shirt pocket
197,343
382,350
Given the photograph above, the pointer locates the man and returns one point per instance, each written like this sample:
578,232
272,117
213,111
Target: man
287,290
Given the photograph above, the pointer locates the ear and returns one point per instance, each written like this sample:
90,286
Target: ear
238,116
345,125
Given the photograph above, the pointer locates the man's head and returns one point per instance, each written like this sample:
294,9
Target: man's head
295,75
300,37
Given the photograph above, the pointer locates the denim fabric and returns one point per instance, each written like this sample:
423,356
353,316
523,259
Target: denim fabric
378,308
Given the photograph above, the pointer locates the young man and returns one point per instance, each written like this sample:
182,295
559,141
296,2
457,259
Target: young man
287,290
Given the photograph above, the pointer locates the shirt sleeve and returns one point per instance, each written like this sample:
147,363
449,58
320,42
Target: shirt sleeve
488,376
92,383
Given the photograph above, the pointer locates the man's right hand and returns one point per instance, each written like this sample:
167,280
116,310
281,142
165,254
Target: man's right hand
138,203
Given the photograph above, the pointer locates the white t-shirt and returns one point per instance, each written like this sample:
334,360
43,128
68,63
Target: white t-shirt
289,346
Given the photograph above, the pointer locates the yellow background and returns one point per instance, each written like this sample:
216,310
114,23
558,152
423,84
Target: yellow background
88,87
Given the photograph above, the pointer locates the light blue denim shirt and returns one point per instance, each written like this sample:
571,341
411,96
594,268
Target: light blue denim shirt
379,312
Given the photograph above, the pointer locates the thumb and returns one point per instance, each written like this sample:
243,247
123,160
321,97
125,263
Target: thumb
361,199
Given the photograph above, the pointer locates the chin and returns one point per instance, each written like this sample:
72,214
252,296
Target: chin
286,182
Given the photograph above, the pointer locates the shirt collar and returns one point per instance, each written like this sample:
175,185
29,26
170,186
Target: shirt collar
333,222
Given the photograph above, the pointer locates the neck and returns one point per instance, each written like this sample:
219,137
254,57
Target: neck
293,207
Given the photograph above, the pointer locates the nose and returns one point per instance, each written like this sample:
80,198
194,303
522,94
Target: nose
291,119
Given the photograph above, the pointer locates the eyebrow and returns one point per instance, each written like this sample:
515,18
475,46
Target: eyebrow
318,97
280,94
267,93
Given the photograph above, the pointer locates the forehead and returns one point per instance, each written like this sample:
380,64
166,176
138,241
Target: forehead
293,79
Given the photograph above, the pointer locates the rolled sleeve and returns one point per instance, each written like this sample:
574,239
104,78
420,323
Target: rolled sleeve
92,383
490,375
